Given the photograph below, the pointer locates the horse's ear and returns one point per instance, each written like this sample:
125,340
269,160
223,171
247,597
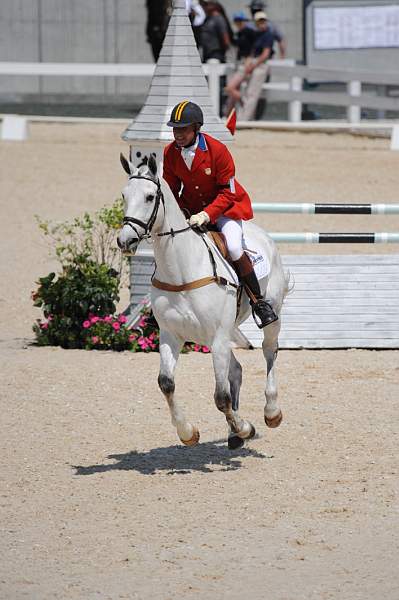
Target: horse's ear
152,164
125,164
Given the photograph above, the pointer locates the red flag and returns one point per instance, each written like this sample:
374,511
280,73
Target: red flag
232,121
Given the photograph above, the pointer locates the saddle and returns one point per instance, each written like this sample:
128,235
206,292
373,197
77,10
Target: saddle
220,242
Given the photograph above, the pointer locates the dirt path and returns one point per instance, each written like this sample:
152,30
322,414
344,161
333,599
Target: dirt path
98,499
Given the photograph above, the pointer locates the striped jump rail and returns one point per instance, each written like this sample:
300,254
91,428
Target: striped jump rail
326,209
334,238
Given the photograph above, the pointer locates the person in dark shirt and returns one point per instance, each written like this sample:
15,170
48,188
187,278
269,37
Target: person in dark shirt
244,37
158,15
215,38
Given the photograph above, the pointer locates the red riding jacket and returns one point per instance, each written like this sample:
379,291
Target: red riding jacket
210,184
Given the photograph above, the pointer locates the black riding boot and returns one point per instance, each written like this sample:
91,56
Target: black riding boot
262,311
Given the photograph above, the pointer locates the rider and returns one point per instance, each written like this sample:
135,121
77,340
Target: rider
200,172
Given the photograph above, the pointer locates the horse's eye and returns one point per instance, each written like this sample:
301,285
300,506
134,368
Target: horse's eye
149,198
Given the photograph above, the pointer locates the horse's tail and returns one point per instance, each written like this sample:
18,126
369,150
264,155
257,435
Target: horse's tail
289,282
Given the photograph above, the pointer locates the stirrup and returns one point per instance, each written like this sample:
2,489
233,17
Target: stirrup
268,316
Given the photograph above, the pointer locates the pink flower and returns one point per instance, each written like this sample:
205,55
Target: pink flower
116,326
132,337
205,349
143,343
108,319
122,319
95,339
44,325
143,322
197,348
94,320
86,324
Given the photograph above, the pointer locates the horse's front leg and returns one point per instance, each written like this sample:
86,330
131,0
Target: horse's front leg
228,382
273,414
169,349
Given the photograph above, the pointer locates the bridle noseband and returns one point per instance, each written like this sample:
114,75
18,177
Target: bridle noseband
149,225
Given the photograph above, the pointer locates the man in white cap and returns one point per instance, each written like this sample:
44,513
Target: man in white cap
256,68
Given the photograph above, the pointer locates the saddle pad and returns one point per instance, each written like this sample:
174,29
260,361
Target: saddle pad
260,262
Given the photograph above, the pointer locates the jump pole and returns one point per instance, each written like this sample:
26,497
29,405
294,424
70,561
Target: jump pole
335,238
326,209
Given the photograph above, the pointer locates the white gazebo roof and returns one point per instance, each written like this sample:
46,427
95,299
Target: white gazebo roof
178,76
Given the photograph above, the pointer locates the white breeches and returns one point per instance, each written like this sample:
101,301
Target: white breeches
232,230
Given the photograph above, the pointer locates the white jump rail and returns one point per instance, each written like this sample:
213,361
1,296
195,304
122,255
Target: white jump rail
331,209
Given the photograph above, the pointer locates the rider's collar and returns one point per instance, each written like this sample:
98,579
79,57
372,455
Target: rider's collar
199,142
202,142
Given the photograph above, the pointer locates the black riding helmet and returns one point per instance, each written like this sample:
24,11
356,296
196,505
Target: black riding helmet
186,113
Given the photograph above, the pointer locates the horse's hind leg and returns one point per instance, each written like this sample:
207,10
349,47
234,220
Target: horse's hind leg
228,382
273,414
169,350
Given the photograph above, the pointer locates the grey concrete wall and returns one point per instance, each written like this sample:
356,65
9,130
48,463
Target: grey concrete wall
96,31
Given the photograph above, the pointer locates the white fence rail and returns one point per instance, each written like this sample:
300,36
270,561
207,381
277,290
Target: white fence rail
288,87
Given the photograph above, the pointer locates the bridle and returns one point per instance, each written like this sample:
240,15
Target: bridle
150,223
131,221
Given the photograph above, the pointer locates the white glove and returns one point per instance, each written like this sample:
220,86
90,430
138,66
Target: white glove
199,219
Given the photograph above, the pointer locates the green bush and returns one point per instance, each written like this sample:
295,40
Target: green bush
66,300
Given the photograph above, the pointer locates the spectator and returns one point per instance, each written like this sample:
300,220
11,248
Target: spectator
197,18
244,40
257,6
244,37
158,14
256,68
215,38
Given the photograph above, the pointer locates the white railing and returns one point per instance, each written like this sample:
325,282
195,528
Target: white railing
289,87
214,70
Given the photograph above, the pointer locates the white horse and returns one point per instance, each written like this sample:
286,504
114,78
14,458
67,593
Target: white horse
206,313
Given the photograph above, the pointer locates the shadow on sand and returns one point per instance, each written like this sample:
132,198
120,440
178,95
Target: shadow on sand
207,457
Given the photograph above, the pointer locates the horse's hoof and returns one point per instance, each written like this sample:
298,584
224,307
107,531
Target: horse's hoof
193,441
252,433
274,421
234,441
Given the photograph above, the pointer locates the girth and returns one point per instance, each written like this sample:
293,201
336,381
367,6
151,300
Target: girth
192,285
197,283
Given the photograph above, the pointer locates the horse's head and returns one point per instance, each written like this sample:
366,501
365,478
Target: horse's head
142,196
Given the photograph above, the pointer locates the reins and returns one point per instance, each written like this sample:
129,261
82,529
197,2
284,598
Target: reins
192,285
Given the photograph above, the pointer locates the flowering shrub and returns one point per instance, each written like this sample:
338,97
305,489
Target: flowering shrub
106,333
67,299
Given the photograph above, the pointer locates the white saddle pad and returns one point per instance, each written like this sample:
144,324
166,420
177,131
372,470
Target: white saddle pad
260,262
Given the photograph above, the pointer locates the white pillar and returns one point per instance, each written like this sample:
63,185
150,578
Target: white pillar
395,138
353,112
214,82
295,106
